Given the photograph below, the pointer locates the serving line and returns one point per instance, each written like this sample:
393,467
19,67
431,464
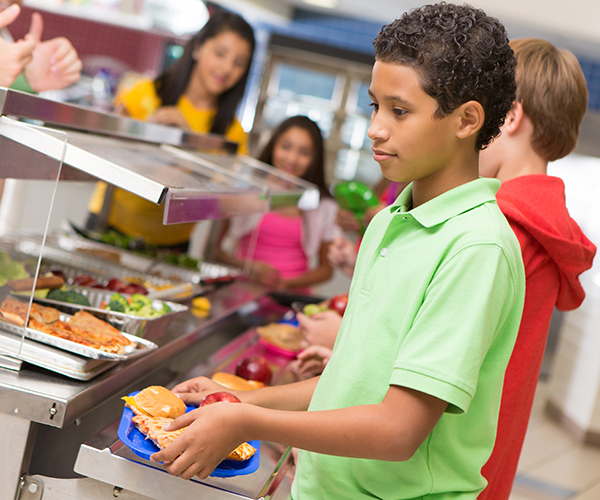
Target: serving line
46,417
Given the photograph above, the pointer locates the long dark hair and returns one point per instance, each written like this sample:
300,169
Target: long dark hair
316,171
171,84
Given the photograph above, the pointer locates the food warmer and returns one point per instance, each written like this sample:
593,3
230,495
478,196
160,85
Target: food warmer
59,410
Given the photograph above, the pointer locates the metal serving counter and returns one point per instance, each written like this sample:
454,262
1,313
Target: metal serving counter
58,437
46,418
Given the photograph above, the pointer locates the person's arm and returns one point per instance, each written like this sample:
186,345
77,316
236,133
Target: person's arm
391,430
292,397
342,254
321,273
260,272
169,115
14,56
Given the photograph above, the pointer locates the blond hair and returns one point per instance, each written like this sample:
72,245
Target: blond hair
552,90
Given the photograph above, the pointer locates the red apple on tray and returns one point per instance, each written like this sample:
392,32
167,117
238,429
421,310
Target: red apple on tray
219,397
338,303
254,368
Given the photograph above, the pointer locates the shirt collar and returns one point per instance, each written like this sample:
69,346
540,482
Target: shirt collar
449,204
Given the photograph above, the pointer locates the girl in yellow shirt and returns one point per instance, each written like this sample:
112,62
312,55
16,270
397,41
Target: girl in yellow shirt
199,92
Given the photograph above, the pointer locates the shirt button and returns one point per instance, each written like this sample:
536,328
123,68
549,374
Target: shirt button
384,252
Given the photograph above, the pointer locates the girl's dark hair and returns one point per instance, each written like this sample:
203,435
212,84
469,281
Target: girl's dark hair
460,54
171,84
316,171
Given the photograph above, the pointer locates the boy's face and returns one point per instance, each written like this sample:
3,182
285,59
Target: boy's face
407,141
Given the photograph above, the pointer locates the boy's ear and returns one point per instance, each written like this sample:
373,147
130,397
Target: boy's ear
514,118
471,116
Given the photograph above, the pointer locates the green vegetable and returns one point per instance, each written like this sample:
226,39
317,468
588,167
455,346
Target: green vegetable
139,301
10,269
116,306
69,296
117,303
140,306
181,259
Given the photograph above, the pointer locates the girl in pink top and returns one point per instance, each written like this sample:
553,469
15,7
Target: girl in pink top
288,247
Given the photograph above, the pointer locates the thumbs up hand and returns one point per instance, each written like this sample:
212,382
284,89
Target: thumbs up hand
55,62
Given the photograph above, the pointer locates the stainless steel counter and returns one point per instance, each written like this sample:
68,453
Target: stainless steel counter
46,417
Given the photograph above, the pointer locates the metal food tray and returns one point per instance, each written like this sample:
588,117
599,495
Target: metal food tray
142,346
143,264
72,264
53,359
140,326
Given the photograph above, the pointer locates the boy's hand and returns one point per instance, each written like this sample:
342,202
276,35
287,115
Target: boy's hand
193,391
342,254
320,328
214,431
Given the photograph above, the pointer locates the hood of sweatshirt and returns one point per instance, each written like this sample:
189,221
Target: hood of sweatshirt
537,204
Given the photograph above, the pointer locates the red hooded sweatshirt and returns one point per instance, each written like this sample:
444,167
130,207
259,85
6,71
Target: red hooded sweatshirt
555,252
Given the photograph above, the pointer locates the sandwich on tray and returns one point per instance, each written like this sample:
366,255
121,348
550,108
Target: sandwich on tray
155,406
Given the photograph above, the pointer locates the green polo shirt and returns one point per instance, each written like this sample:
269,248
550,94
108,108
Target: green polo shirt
435,305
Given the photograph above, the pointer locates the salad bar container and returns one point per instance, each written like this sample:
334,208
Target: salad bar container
132,324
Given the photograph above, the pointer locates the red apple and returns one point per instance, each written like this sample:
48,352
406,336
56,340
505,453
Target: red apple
132,288
219,397
114,284
254,368
83,280
338,303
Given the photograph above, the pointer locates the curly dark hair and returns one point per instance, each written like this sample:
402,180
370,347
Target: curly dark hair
460,54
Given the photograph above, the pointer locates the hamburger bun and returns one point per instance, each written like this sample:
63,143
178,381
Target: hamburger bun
236,383
156,401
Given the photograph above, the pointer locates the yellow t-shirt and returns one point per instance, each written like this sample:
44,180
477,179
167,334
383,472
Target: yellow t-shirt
136,216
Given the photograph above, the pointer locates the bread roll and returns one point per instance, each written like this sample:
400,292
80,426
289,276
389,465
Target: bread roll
156,401
234,382
282,335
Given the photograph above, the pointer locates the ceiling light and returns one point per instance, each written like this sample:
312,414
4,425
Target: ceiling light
328,4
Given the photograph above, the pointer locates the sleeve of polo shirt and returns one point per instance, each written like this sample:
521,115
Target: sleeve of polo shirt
466,301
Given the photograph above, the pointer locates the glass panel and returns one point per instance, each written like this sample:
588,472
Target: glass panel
20,275
282,188
192,191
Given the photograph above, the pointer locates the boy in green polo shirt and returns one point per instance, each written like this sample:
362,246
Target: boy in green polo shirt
407,406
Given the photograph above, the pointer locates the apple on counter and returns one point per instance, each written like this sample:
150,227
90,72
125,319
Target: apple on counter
338,303
219,397
254,368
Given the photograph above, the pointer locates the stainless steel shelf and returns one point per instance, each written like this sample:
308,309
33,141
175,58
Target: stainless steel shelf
164,165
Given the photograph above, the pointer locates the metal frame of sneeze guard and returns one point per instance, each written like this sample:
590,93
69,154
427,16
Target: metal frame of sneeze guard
52,146
129,154
284,189
32,107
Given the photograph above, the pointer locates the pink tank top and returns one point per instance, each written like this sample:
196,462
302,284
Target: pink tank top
279,243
